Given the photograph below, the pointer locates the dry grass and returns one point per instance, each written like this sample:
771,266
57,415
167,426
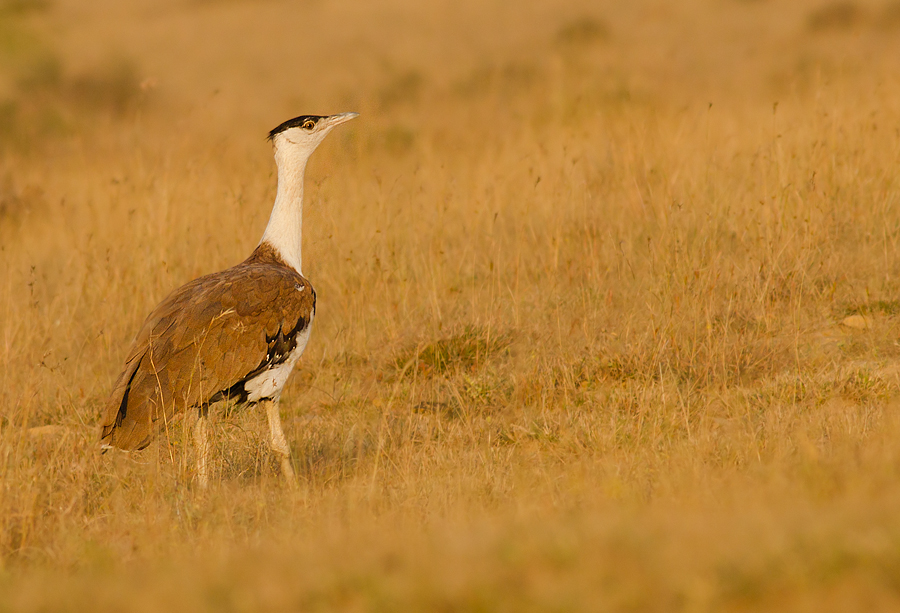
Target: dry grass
581,274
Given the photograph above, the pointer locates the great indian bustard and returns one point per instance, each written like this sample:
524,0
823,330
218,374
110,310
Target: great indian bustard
234,334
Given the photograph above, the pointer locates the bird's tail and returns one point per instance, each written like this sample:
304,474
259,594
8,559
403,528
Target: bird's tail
126,424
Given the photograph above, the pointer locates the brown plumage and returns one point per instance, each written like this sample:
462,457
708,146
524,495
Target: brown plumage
204,342
232,334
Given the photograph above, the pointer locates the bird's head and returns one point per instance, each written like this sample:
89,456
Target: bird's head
297,138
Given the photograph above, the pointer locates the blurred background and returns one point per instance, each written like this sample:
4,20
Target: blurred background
234,68
607,319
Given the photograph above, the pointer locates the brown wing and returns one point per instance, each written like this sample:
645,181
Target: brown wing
200,342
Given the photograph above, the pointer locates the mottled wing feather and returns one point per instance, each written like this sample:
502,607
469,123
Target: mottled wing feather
204,338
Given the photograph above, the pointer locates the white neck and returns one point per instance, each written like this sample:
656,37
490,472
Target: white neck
285,228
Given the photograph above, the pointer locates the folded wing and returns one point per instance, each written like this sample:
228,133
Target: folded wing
201,343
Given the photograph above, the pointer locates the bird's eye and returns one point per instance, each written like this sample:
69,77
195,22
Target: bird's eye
309,124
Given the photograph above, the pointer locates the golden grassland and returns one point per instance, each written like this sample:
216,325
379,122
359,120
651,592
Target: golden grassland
582,272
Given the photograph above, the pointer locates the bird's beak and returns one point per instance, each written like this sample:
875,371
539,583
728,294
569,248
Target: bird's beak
334,120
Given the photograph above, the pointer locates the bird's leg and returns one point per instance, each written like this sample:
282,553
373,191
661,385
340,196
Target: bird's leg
201,442
277,441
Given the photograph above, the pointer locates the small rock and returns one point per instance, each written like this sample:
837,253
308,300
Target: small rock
857,322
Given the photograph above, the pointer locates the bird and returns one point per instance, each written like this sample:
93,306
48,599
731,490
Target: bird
230,335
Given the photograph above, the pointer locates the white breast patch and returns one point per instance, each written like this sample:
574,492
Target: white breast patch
269,383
